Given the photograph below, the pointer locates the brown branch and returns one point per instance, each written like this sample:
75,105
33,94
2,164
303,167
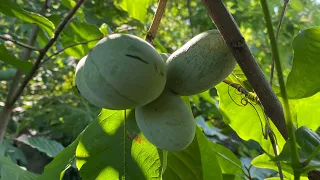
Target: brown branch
237,44
156,21
285,3
7,110
20,43
67,47
36,65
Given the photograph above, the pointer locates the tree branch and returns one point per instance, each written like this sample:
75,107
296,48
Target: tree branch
285,3
156,21
20,43
232,36
67,47
36,65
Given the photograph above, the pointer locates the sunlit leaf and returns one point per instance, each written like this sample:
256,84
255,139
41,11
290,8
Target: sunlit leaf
112,147
303,80
7,57
245,119
136,8
10,8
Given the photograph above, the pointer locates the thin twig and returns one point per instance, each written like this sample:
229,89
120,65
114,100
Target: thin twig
67,47
20,43
36,65
285,3
156,21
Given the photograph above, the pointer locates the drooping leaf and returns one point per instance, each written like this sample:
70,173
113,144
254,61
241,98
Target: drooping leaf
112,147
245,119
50,147
197,162
136,8
303,80
63,161
11,171
7,57
10,8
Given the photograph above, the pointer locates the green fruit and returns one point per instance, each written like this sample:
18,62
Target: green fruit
200,64
164,56
84,89
167,122
124,72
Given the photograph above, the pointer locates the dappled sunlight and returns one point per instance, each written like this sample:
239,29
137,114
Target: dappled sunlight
108,173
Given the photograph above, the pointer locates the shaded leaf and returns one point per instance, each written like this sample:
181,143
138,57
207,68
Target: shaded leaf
136,8
63,161
7,57
112,147
10,170
50,147
10,8
303,80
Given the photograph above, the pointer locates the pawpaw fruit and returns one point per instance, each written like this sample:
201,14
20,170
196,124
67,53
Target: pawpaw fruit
124,72
167,122
200,64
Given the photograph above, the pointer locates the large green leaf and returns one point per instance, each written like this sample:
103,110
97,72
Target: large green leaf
112,147
50,147
136,8
7,57
303,80
197,162
63,161
244,119
11,171
10,8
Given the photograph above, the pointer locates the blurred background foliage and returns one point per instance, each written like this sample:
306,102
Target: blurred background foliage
53,110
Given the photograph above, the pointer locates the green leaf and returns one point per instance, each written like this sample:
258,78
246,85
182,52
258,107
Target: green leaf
244,119
7,57
50,147
77,32
303,80
104,29
63,161
197,162
229,162
307,142
112,147
136,8
10,8
6,75
10,170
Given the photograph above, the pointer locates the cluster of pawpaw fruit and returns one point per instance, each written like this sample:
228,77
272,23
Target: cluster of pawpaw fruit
125,72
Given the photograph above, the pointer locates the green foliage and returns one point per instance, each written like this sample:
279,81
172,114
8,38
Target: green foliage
10,170
136,8
112,147
50,147
10,8
7,57
303,80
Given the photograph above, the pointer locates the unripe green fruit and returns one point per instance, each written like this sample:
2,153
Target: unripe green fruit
200,64
124,72
84,89
167,122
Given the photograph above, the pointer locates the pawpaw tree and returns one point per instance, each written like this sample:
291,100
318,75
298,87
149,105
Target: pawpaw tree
169,90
